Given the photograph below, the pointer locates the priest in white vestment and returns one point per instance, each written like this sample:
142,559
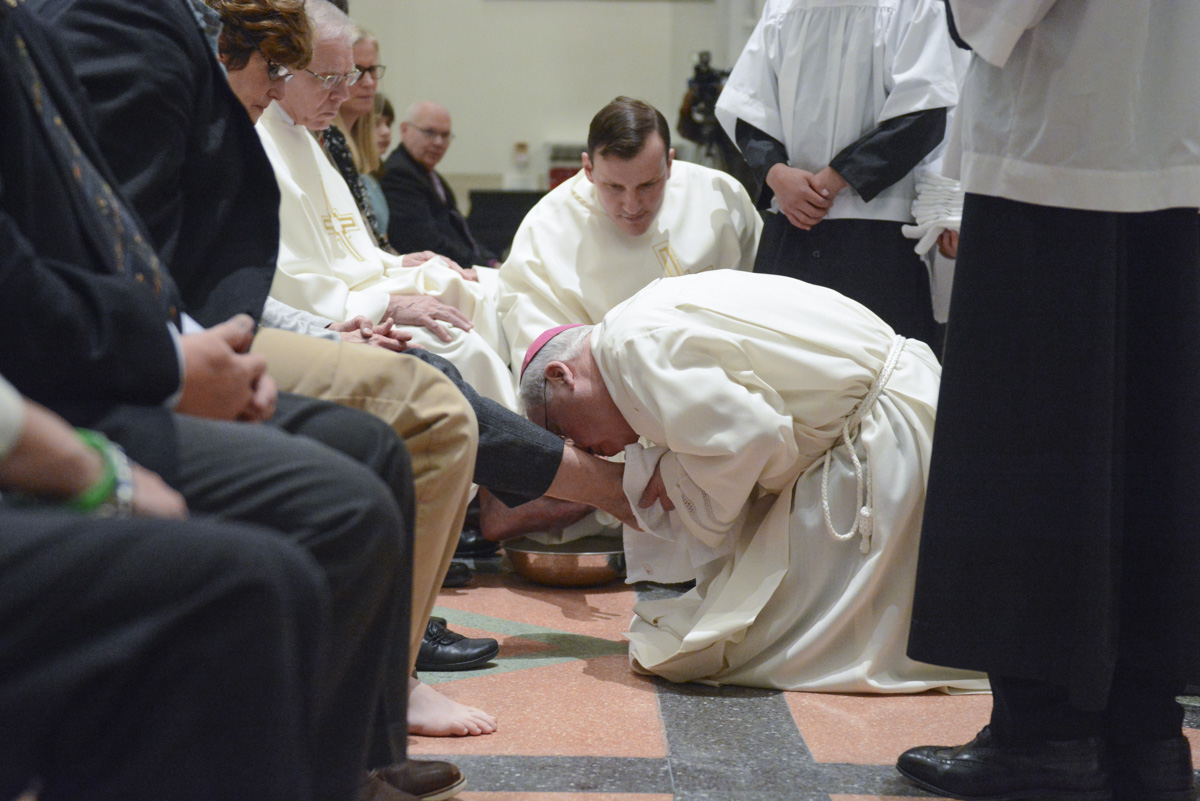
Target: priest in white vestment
632,215
330,265
783,431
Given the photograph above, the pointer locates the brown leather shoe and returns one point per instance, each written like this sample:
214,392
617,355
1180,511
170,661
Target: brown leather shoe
426,779
374,788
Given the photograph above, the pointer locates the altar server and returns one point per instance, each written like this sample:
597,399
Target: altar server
834,105
786,435
1062,494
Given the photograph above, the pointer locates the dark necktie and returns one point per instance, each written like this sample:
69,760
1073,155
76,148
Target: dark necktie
117,231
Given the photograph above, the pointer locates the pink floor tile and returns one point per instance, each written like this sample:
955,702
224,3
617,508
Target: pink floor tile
1194,738
489,796
596,707
597,612
875,729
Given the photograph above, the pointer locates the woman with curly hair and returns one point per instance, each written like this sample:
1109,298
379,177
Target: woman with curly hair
263,43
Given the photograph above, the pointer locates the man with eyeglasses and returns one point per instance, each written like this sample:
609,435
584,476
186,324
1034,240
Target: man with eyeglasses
423,211
329,264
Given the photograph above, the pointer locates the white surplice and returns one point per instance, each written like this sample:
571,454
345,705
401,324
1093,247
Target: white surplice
570,263
1035,148
747,381
818,74
329,264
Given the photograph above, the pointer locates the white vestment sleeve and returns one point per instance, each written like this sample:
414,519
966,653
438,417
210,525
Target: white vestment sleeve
751,91
663,551
726,431
277,314
921,72
993,27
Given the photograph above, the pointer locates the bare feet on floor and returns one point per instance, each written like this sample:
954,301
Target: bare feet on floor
431,714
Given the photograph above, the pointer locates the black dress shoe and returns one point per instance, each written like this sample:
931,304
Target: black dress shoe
458,575
985,770
442,649
429,780
472,545
1153,771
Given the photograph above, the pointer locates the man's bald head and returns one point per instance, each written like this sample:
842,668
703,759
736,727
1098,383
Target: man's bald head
425,132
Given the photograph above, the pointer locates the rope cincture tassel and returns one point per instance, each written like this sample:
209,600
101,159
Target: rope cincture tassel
864,521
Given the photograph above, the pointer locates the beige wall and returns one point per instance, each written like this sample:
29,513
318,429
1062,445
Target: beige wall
535,70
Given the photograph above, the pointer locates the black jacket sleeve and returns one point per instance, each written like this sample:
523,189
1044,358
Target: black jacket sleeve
890,151
76,333
180,144
877,160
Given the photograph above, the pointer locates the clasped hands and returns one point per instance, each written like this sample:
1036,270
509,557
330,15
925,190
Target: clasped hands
414,310
804,197
222,379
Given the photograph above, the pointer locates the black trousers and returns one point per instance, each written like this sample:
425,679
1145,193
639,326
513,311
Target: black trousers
337,482
146,660
516,459
1059,547
869,261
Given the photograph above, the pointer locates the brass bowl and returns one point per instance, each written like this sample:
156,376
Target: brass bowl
585,562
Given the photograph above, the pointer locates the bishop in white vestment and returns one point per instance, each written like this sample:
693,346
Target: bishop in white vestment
329,264
570,263
790,428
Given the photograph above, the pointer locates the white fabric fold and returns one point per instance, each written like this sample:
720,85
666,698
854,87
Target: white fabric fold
664,551
938,208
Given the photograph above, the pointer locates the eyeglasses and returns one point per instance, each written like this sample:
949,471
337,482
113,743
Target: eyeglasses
278,72
376,71
331,82
547,422
433,133
546,408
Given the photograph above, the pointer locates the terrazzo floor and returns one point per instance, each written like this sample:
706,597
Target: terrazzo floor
576,724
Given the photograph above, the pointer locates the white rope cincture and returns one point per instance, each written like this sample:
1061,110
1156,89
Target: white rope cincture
864,521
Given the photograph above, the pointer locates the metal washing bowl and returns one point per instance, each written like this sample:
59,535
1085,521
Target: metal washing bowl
586,562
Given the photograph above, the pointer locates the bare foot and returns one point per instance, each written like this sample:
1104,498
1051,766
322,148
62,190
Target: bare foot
499,522
431,714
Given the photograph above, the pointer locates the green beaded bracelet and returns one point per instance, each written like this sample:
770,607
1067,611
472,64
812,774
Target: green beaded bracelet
112,494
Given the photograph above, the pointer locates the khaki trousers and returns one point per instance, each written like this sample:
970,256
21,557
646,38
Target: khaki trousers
424,408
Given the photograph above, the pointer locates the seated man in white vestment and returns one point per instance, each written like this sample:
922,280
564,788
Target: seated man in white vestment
631,215
329,263
776,437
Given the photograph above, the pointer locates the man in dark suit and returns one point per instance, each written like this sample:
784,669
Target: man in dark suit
423,212
89,316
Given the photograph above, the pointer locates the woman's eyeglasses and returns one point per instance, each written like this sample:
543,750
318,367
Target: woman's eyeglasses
278,72
376,71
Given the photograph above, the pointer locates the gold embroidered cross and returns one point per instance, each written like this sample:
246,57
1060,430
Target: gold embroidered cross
339,227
